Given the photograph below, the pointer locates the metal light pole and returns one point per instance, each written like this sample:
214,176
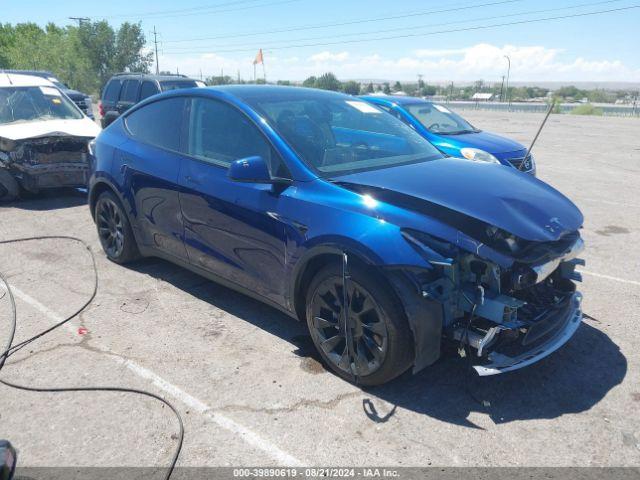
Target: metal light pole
508,71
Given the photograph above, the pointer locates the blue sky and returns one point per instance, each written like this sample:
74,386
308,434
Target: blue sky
601,47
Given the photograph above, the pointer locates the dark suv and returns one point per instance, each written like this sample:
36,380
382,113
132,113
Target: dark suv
82,100
124,90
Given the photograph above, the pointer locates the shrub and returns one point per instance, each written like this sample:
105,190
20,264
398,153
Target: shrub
587,109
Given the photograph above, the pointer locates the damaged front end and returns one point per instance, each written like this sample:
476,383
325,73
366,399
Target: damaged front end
46,162
506,311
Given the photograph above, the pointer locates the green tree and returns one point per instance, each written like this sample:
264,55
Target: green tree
370,87
328,81
600,96
351,87
397,87
84,57
386,89
129,45
7,39
310,82
429,90
219,80
570,92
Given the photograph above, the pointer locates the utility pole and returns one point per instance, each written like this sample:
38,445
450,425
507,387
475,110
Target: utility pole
451,92
155,42
501,87
80,20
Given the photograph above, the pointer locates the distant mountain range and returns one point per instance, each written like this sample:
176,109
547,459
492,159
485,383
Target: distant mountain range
552,85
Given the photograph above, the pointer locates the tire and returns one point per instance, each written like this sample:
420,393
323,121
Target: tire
383,344
9,188
114,230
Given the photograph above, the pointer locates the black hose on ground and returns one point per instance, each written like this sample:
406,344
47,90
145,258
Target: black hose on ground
12,349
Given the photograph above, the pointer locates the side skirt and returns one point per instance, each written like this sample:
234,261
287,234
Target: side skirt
152,252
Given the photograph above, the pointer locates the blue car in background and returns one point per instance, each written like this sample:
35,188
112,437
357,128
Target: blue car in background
340,215
452,134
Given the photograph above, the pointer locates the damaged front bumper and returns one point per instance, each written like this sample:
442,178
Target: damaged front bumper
505,316
566,327
47,162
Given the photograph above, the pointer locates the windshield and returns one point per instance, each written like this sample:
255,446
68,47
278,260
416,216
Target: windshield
439,119
177,84
30,104
337,134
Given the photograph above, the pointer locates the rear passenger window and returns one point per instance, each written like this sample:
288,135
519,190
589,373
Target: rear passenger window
130,91
148,89
158,123
220,134
112,91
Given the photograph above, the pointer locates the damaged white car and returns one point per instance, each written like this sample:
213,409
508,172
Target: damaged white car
44,137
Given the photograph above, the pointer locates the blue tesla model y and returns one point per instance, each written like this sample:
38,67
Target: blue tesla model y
453,135
339,214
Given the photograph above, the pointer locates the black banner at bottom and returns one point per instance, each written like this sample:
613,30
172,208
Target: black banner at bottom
303,473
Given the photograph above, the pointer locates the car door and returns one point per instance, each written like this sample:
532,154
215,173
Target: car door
147,167
128,95
231,228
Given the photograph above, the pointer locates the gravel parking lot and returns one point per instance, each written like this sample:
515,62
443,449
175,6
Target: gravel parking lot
247,381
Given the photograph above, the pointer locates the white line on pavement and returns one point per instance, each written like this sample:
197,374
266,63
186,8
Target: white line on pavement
248,435
609,277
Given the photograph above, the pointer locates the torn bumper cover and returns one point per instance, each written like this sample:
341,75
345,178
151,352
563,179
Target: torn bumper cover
568,322
47,162
510,316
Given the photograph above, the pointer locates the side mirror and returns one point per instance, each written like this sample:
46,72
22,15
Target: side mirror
254,170
7,460
250,170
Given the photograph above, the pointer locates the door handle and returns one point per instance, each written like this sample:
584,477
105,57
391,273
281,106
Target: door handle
123,168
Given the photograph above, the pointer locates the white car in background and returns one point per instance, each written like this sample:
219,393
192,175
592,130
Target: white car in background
44,137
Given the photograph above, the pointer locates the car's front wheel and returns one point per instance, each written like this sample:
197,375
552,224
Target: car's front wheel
114,230
375,346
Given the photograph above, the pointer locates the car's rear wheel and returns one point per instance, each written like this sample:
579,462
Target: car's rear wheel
379,346
9,188
114,230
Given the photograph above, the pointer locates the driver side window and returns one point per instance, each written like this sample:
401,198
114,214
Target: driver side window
220,134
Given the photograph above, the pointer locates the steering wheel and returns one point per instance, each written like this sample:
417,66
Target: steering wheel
362,145
361,148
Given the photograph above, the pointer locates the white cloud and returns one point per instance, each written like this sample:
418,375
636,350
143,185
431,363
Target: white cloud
324,57
429,53
480,61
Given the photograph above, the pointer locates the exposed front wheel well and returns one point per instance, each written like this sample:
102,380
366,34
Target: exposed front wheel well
313,266
96,191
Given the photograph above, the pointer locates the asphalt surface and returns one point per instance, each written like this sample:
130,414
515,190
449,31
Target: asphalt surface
249,386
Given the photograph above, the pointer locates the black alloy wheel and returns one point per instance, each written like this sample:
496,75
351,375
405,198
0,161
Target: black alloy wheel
114,230
110,228
370,341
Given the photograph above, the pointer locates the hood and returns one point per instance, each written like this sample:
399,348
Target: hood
453,189
82,127
74,94
489,142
